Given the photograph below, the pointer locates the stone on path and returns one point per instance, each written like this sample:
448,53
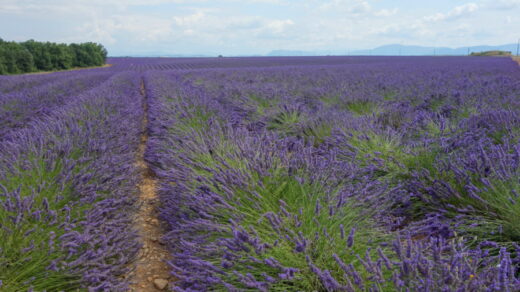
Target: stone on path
160,284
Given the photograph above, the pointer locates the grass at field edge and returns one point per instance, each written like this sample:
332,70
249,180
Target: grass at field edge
73,69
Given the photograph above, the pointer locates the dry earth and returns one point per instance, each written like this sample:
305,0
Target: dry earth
151,271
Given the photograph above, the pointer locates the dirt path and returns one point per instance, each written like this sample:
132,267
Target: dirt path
151,272
517,59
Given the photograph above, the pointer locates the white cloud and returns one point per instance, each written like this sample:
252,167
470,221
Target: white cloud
455,13
278,26
350,6
504,4
139,28
191,26
356,8
386,12
360,7
189,20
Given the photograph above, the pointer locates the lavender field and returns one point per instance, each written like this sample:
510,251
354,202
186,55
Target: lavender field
271,174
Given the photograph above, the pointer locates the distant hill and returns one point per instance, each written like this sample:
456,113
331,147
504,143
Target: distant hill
386,50
396,50
492,53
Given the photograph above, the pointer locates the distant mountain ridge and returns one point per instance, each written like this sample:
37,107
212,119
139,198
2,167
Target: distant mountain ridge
403,50
385,50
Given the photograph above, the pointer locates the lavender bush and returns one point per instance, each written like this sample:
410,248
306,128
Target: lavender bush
275,174
340,177
20,106
64,181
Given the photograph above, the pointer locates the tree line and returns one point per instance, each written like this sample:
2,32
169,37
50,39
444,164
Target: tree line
33,56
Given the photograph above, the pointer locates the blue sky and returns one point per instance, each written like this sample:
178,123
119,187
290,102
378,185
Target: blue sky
233,27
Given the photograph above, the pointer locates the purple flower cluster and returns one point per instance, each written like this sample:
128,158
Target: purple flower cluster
67,185
20,106
275,174
340,176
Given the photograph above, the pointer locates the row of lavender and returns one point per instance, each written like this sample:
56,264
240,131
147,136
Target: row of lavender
146,64
20,106
67,181
381,176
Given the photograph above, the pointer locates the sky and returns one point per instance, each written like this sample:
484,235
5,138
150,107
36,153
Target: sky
252,27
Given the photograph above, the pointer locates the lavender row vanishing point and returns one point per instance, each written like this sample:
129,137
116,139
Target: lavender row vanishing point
275,174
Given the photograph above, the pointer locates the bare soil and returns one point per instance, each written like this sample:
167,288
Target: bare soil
151,270
517,59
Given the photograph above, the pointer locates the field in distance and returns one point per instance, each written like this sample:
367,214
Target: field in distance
269,174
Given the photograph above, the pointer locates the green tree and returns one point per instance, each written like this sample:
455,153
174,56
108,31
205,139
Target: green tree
32,55
41,54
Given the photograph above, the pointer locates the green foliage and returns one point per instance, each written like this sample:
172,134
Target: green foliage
361,107
194,118
263,194
286,122
42,56
318,131
386,147
495,206
301,198
39,237
31,56
394,160
356,107
262,103
88,54
278,191
14,58
491,53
